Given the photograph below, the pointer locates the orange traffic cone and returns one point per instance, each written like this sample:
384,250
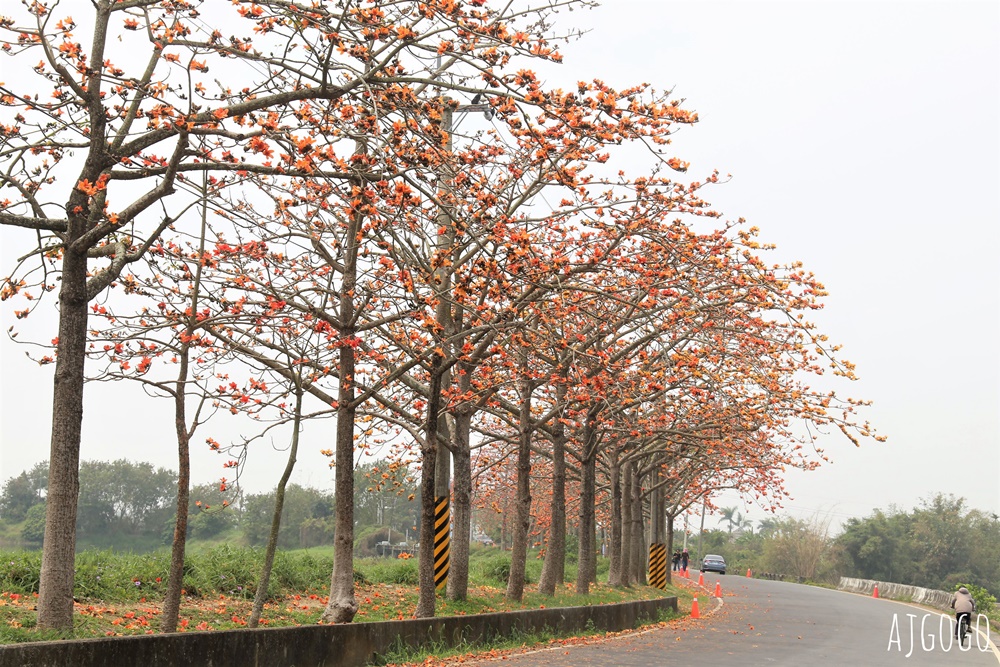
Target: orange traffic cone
701,578
749,573
875,592
694,608
718,589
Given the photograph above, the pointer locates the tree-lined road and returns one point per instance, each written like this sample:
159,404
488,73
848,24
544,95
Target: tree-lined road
777,623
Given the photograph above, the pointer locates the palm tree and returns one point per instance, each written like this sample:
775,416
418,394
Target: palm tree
728,514
768,526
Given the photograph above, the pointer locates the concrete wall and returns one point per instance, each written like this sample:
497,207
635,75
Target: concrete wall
348,645
886,589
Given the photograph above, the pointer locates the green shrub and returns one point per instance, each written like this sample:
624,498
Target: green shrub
388,570
367,539
234,571
33,529
19,571
533,568
572,548
301,571
225,569
114,575
494,568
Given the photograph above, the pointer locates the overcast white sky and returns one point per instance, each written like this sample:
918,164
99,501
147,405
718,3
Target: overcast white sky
863,138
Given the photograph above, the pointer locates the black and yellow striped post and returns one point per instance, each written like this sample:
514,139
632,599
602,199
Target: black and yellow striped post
658,565
442,541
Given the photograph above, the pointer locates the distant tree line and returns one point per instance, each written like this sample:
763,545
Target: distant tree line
131,504
940,544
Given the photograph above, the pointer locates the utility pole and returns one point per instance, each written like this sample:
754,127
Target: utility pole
701,531
443,315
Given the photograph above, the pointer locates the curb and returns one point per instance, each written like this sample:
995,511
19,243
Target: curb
709,595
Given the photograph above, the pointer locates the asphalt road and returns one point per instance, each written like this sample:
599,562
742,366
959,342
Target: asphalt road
775,623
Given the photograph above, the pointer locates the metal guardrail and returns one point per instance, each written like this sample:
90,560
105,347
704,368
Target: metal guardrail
394,550
888,589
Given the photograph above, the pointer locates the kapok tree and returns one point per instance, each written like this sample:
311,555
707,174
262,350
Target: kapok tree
731,422
597,329
707,313
410,156
95,145
475,261
127,346
207,298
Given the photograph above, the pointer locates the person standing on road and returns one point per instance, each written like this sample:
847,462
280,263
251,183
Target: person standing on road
964,605
684,560
675,560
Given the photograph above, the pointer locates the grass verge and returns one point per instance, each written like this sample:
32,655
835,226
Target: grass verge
499,647
121,593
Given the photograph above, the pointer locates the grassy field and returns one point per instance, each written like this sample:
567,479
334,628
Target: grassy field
120,593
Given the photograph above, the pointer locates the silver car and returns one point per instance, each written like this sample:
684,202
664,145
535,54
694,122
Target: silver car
713,563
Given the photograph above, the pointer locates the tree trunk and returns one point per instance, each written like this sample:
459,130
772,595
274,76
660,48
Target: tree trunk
442,286
442,499
587,560
461,520
656,527
638,534
626,519
279,503
55,590
554,568
656,517
519,550
615,577
670,543
55,587
425,602
175,581
342,605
